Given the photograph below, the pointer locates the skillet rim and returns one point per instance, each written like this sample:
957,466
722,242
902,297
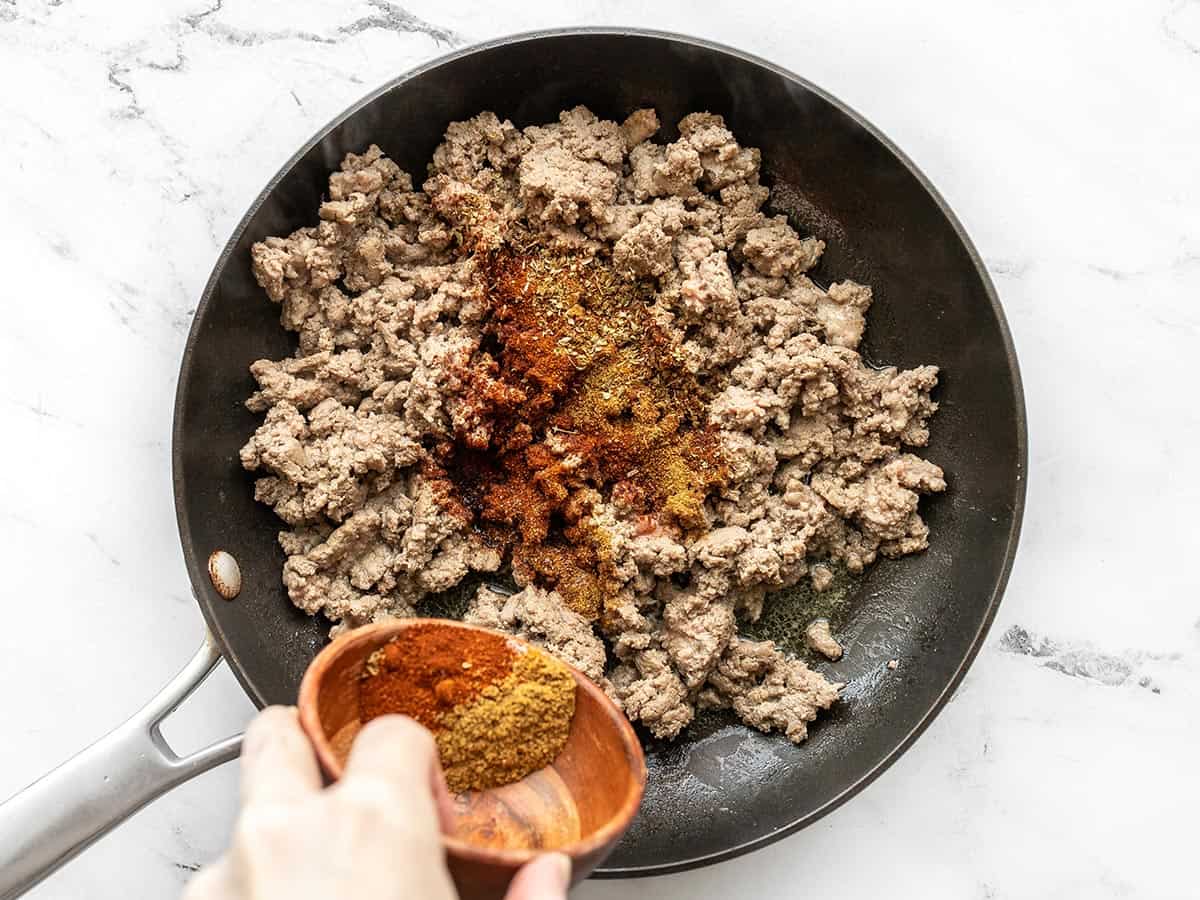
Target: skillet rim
197,568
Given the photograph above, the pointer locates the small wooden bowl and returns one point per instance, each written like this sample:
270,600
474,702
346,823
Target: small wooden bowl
579,805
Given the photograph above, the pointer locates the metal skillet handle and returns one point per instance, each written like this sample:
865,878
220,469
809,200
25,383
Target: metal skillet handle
67,809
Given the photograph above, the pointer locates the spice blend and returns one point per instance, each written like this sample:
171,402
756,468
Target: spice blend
497,712
588,394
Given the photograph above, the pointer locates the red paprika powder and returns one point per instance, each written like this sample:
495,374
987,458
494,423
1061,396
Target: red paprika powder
431,671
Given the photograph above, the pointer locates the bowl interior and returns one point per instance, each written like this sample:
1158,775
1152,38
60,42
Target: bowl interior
584,800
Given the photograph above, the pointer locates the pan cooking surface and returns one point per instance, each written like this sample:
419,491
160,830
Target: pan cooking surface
722,789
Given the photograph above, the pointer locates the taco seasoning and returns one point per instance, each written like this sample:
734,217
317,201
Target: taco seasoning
497,710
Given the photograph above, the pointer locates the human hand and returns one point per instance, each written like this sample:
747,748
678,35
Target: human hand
375,833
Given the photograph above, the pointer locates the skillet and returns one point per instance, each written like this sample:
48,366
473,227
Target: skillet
722,789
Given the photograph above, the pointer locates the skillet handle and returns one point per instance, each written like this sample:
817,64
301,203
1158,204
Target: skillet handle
64,811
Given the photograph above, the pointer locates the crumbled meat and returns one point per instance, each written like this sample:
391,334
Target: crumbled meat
723,161
325,465
698,628
818,637
571,170
822,578
541,617
775,249
396,357
649,690
477,145
841,313
646,248
768,690
641,125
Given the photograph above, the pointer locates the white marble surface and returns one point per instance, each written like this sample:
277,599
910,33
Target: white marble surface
1064,134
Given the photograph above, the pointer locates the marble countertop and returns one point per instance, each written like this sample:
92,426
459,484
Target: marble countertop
1065,136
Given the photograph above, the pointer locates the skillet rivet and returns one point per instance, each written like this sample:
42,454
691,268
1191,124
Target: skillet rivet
225,573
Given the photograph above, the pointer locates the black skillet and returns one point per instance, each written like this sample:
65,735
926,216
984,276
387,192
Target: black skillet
722,790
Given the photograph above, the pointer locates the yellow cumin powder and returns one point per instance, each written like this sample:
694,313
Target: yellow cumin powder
512,728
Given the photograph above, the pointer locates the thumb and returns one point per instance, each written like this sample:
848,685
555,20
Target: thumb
546,878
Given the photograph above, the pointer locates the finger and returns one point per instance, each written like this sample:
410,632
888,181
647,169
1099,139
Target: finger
213,882
388,796
396,755
394,749
278,764
546,878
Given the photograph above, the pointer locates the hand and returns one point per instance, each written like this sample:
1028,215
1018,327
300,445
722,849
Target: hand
376,833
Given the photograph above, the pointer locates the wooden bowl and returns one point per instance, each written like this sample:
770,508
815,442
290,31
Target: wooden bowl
579,805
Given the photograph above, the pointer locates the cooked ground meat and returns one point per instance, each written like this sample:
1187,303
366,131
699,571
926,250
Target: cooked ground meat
818,637
758,442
